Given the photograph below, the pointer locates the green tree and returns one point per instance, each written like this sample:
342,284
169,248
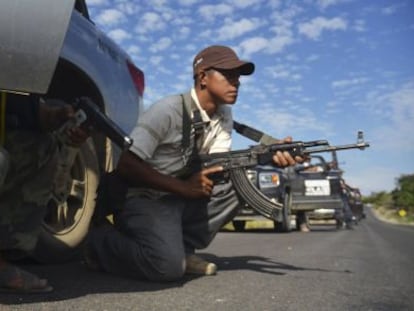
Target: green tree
403,195
382,198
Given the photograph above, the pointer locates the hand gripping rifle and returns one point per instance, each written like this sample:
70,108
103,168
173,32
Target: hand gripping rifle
102,123
236,162
88,111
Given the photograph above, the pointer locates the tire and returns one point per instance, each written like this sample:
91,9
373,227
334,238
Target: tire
239,225
68,217
284,225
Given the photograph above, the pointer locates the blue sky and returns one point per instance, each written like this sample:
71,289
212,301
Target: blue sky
324,68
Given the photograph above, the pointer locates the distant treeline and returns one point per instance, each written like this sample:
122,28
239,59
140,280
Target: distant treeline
401,198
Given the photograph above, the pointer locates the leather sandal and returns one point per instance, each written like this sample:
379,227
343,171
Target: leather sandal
14,280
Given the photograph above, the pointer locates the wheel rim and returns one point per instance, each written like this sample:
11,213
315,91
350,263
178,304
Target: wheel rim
66,206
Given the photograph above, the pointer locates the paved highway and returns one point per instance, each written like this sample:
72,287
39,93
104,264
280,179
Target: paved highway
369,268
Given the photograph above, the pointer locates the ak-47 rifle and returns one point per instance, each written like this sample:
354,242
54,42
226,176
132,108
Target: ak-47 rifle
235,163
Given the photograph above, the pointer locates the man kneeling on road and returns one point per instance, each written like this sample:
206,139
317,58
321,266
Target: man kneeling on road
171,210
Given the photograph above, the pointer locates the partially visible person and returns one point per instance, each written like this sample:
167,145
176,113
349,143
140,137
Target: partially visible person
344,216
173,208
28,160
356,204
302,221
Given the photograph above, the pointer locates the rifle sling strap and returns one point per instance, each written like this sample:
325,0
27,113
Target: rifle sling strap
254,134
191,119
190,108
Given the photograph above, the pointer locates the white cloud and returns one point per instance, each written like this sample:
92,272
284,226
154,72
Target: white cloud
283,20
312,58
157,3
253,45
316,26
156,60
150,22
282,28
402,104
294,90
274,4
128,7
243,3
260,44
210,12
277,44
234,29
349,82
161,44
323,4
392,9
393,118
133,49
119,35
282,72
184,32
97,2
302,121
187,2
110,17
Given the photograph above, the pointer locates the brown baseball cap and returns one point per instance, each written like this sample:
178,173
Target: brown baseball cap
221,57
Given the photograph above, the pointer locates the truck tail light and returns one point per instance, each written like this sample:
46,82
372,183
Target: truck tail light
137,77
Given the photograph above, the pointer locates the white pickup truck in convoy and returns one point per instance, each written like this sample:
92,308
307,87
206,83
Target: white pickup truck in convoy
53,48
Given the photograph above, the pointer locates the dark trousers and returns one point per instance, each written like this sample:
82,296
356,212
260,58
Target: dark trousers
151,238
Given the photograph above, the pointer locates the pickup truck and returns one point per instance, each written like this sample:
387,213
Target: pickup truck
300,188
316,186
53,48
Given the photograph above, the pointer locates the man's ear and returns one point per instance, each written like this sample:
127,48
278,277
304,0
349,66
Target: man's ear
202,75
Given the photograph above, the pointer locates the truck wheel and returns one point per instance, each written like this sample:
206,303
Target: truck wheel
70,210
239,225
284,225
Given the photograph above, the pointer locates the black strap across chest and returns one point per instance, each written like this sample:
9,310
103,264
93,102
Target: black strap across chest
191,119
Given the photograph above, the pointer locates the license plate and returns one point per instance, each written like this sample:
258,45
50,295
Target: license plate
317,187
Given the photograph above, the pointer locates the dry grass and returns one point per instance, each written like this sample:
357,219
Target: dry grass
391,216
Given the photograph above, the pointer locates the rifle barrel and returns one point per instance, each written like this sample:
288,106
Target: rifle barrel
360,146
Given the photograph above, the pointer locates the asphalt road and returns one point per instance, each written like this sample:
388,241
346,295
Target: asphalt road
369,268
